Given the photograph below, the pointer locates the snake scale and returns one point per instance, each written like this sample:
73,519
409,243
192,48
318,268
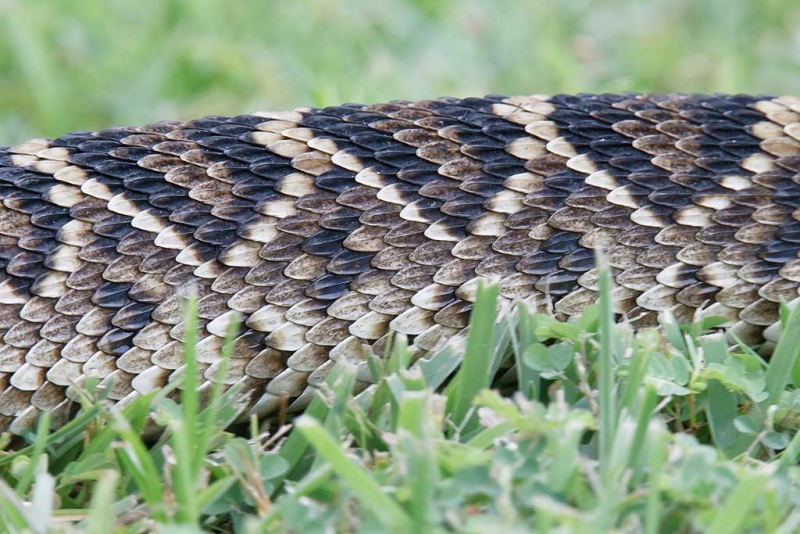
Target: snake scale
322,229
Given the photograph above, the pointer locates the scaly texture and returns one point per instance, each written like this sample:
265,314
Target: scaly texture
326,228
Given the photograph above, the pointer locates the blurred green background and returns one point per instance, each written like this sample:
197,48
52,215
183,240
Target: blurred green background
68,65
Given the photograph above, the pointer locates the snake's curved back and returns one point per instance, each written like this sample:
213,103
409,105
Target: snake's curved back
325,228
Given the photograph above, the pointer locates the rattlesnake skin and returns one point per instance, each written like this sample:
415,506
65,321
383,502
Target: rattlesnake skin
325,228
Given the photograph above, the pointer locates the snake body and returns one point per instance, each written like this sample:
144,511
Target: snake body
324,229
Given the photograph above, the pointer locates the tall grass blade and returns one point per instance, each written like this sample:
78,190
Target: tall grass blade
784,363
529,381
101,514
723,405
42,431
366,488
606,362
474,374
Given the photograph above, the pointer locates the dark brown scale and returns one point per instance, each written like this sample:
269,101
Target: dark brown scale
348,262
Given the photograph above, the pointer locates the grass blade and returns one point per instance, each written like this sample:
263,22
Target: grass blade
42,501
42,431
656,462
385,509
528,380
189,397
734,511
136,462
606,360
723,405
633,385
12,511
296,445
101,515
209,417
414,450
183,426
474,374
784,362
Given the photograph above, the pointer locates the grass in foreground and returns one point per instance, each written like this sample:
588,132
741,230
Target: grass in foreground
590,428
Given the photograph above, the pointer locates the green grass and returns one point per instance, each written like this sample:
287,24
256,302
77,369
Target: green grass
87,65
665,429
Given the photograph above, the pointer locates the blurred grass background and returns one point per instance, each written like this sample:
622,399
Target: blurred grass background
68,65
